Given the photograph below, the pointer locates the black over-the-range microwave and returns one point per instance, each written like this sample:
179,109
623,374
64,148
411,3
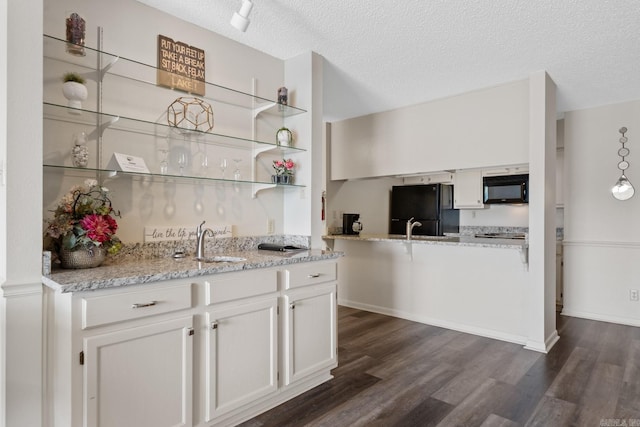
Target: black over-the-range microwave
506,189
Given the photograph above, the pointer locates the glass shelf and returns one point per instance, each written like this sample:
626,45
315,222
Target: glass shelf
107,174
55,50
89,118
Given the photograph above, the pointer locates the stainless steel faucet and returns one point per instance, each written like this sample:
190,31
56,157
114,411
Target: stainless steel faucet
410,226
200,235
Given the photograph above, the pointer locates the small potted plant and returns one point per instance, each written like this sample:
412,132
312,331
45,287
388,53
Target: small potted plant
74,90
284,171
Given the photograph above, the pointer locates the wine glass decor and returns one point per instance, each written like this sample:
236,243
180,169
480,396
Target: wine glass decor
236,173
623,189
182,162
223,166
164,165
204,163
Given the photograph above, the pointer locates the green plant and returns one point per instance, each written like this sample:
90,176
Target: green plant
73,77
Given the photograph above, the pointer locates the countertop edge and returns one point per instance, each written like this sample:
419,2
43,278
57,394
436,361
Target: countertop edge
127,274
449,241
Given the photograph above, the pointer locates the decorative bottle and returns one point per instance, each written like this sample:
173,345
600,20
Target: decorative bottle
80,151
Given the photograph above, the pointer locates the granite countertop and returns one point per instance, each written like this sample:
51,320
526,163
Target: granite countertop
138,271
435,240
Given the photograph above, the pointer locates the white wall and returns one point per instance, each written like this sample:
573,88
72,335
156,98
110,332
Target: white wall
20,232
602,234
482,128
3,202
367,197
303,77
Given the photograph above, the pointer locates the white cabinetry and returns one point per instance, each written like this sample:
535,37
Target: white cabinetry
216,351
310,342
121,357
123,385
431,178
507,170
241,342
467,190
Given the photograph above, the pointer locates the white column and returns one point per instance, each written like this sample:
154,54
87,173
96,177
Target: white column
302,208
540,298
21,216
3,200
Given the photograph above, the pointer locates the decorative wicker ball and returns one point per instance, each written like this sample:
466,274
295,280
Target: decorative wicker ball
190,114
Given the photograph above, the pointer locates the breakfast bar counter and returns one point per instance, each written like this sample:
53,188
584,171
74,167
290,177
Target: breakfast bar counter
435,240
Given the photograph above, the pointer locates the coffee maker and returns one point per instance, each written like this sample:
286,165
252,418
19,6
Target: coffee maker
351,224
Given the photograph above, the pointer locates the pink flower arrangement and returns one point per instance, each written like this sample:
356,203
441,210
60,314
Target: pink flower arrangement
83,219
284,167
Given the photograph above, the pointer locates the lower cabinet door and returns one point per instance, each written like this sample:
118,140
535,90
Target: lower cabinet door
140,376
310,331
242,355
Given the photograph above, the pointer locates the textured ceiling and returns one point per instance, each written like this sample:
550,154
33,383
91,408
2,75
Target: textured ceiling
383,54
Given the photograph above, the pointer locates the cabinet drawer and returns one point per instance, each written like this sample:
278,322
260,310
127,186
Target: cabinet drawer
309,274
124,305
232,286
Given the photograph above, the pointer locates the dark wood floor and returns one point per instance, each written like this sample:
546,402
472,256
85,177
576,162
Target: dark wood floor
394,372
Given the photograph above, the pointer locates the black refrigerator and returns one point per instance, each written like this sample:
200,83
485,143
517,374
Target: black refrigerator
431,205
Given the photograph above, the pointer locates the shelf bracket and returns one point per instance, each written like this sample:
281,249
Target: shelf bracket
99,130
98,75
258,187
107,67
262,108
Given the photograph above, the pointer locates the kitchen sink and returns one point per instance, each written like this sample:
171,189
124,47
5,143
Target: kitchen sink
221,259
414,237
438,238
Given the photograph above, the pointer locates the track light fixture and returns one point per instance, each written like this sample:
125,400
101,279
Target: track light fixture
240,20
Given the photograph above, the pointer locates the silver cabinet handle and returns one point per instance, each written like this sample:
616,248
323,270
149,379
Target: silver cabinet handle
214,325
314,276
144,304
292,306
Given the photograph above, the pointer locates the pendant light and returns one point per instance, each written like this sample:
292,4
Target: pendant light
623,189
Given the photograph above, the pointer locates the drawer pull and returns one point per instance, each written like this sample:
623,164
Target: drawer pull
145,304
292,306
314,276
214,325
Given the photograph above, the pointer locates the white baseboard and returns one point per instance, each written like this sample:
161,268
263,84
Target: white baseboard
543,347
488,333
600,317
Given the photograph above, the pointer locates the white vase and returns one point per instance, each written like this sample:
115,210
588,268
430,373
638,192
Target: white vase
75,92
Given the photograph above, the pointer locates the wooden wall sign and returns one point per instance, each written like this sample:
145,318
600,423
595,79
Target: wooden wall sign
180,66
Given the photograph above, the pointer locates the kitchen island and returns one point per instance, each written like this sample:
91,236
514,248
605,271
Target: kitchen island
178,342
464,283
